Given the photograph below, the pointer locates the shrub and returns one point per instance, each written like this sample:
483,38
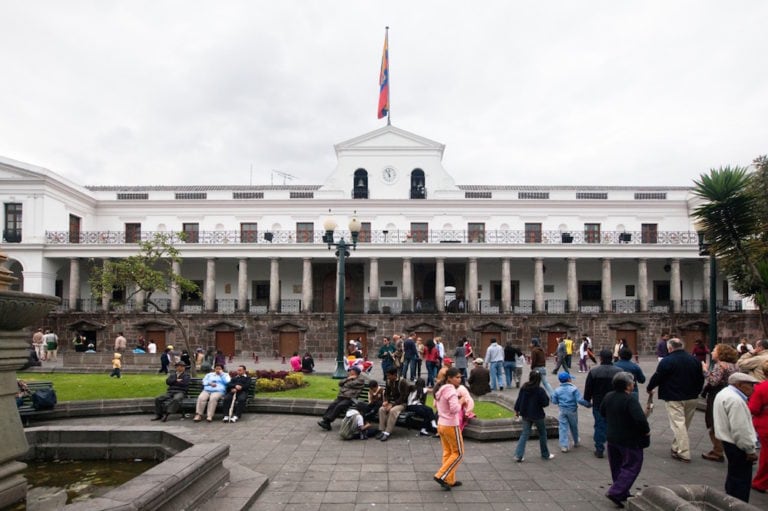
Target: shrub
295,380
269,385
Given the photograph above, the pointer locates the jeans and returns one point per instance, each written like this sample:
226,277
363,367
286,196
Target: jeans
547,387
431,373
601,427
497,375
541,427
568,420
409,365
509,372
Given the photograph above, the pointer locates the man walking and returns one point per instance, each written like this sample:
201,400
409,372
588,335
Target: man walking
661,347
599,383
539,364
680,379
733,426
494,360
568,342
410,354
51,342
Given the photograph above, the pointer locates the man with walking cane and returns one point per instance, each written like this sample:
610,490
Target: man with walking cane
237,395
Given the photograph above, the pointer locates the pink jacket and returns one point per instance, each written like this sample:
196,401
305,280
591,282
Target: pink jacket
448,408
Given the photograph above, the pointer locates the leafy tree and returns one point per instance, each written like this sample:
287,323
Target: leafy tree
149,272
734,217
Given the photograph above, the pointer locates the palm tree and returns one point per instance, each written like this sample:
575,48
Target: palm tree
732,224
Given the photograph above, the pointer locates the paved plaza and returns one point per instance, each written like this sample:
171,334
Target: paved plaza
311,469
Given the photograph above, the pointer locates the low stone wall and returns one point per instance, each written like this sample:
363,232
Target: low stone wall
101,360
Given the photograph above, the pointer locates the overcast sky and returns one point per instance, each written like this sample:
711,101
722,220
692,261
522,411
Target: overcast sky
541,92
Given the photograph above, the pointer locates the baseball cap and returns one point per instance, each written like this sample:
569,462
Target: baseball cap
447,360
564,376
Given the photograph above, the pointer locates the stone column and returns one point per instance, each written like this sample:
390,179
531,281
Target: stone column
573,287
642,284
274,285
210,285
306,285
440,284
472,302
675,292
538,284
242,285
506,286
407,285
106,295
607,286
175,293
373,285
74,282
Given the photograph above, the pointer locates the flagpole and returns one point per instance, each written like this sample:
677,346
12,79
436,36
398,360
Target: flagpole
389,75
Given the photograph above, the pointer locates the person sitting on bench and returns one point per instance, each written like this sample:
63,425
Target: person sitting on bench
237,390
170,402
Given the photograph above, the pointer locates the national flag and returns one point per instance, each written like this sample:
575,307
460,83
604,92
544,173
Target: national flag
384,80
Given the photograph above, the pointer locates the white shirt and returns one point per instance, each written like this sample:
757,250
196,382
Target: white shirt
152,347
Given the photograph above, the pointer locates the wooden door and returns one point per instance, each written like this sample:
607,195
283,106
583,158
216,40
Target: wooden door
158,336
363,336
485,341
288,344
689,338
225,342
552,338
630,336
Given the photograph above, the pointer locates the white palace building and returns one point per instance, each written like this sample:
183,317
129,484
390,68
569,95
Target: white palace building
436,257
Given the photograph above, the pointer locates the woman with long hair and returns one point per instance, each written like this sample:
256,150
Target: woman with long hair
724,357
448,427
530,406
431,356
416,404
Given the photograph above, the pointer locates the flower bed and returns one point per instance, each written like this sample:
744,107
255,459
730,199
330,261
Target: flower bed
276,381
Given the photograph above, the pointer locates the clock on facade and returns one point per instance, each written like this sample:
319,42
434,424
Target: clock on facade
389,175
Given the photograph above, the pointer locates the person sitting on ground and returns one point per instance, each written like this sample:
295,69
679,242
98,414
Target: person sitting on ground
214,387
479,379
237,390
139,350
395,401
170,402
349,390
416,404
295,362
307,363
354,426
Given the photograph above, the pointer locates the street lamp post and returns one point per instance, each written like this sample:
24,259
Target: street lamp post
342,253
705,249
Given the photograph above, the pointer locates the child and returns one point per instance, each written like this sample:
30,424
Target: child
568,397
354,427
116,365
467,405
530,405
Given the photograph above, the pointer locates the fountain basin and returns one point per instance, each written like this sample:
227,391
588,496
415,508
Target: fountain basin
188,475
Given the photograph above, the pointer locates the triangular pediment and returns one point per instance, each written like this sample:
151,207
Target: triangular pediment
699,325
627,325
423,327
560,326
389,138
359,326
491,326
156,324
84,325
224,325
287,326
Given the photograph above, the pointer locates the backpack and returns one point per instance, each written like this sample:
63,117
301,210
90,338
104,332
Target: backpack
44,399
348,429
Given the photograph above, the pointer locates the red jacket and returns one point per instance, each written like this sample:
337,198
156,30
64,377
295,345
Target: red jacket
758,405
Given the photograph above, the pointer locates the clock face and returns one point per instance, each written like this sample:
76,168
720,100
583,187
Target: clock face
389,175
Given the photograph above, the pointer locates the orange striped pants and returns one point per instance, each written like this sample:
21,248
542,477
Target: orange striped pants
453,452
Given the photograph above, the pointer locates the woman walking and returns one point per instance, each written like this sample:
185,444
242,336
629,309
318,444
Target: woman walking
448,427
530,406
724,357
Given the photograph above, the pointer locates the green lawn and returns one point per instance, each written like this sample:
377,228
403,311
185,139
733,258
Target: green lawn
86,387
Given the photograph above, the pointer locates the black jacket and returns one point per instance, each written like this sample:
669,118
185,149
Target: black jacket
244,381
599,383
530,403
678,376
177,384
626,422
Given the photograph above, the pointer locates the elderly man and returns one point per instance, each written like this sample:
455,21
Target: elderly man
479,379
349,390
170,402
680,379
733,426
751,363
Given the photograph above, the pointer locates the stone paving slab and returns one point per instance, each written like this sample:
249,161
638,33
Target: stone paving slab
311,469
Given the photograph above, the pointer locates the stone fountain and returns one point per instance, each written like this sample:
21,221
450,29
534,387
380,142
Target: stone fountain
17,310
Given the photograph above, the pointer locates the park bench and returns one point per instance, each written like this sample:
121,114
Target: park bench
406,419
26,410
196,387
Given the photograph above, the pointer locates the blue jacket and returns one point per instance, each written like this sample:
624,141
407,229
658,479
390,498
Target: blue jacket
634,369
568,397
220,379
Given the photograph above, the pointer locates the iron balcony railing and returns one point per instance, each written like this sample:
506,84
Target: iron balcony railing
385,236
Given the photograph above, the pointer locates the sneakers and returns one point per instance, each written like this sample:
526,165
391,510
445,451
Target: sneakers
550,457
384,437
424,432
519,460
563,449
226,418
234,419
445,486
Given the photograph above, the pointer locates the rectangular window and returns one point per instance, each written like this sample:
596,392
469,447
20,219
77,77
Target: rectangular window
249,232
305,232
12,229
476,232
192,231
590,291
629,290
514,291
388,291
592,233
260,290
74,229
419,232
532,233
649,233
365,232
132,233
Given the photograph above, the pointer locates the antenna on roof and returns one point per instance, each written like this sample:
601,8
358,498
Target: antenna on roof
286,176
